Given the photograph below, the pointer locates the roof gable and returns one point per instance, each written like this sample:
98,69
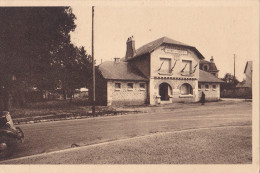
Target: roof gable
148,48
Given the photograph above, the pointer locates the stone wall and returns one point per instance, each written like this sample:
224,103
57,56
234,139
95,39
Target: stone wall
240,92
124,95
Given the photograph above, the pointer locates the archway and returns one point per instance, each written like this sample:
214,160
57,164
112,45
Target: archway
164,91
186,89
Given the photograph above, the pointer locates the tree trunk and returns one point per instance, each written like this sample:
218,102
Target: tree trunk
21,98
70,95
1,99
64,94
7,99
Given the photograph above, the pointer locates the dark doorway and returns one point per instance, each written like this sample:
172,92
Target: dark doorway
164,91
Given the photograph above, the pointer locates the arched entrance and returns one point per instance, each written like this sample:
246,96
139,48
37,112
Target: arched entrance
186,89
164,91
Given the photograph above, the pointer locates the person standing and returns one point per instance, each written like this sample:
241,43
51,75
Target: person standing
202,99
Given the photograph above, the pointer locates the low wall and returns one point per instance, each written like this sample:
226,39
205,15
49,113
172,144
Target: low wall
240,92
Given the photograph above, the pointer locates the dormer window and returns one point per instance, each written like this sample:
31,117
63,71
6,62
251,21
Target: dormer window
205,68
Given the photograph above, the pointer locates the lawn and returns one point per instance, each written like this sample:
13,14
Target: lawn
80,108
59,109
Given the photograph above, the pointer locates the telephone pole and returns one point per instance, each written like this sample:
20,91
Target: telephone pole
234,66
93,66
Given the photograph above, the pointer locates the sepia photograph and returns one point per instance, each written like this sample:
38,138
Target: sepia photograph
137,83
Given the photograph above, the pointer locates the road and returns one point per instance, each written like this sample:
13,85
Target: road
59,135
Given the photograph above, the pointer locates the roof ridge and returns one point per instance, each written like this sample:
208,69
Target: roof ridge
154,41
151,46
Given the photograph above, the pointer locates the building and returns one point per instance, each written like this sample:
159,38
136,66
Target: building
243,89
247,82
162,71
208,84
248,74
209,66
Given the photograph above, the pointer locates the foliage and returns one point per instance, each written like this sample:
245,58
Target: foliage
36,51
230,81
74,68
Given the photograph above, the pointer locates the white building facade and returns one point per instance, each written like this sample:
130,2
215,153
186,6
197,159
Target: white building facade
162,71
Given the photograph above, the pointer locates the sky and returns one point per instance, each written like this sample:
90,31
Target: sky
218,30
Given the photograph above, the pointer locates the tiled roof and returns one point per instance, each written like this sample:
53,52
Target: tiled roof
212,65
207,77
125,71
120,71
148,48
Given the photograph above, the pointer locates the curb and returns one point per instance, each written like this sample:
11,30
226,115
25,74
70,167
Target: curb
27,121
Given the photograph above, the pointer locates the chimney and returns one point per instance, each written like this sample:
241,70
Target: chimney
211,59
117,60
130,48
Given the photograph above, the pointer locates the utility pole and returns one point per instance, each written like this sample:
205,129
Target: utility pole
93,66
234,66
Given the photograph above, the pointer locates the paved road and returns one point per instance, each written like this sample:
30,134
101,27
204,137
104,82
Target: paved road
53,136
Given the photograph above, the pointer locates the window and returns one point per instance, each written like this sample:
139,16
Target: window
205,68
165,65
206,86
130,86
142,85
214,87
186,89
199,86
186,66
118,85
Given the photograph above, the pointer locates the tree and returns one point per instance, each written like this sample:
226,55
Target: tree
230,81
30,39
74,68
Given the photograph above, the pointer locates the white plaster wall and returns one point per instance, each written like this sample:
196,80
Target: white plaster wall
248,75
160,53
210,93
174,83
124,95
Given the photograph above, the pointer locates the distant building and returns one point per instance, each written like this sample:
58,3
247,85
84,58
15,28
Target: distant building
248,74
209,66
81,93
247,82
162,71
210,86
242,89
